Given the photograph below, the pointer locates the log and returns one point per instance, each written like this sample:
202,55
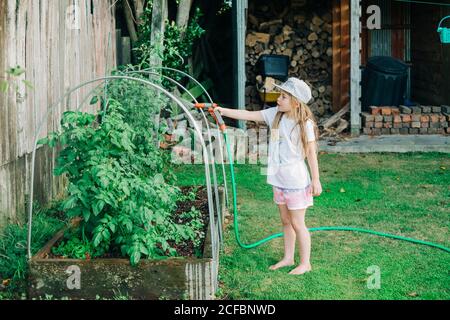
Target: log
334,118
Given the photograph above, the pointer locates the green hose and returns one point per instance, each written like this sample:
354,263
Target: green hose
260,242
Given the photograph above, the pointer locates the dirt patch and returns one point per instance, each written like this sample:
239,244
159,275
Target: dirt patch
200,203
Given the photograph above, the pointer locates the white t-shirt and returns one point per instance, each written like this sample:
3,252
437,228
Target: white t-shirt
286,162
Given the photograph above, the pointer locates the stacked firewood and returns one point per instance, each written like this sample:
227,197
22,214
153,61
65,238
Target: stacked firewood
302,36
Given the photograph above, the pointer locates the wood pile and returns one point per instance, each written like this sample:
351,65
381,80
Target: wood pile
305,37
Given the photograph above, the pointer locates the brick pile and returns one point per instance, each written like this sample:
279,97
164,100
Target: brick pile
406,120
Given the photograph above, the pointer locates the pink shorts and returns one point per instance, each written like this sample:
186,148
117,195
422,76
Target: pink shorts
295,199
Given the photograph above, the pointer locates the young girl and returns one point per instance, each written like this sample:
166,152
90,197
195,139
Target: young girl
292,139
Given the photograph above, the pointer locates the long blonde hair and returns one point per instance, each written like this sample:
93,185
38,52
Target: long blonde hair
300,115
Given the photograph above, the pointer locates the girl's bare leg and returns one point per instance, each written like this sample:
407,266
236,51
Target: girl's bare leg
289,239
304,239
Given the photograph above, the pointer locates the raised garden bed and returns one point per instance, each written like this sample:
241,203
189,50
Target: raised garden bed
187,277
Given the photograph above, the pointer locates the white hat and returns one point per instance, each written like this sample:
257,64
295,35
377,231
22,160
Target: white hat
298,88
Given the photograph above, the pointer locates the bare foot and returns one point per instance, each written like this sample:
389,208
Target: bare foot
301,269
281,264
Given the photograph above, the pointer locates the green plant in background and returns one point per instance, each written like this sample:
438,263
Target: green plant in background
177,45
13,248
120,185
11,81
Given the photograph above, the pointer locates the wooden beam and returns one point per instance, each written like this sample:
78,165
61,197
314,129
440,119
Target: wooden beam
345,52
336,54
239,23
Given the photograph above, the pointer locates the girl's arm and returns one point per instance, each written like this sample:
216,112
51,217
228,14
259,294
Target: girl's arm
314,167
241,114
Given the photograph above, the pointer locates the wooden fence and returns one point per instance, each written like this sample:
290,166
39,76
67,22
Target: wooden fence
60,43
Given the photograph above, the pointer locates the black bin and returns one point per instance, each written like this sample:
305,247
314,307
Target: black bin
384,82
273,65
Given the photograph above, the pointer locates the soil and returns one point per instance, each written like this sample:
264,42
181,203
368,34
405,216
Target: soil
201,204
186,249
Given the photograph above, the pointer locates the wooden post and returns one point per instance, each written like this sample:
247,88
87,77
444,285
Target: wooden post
119,47
239,10
355,73
126,50
159,17
341,54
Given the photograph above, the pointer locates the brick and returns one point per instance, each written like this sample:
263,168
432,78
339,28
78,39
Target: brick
378,118
397,119
376,131
375,110
435,125
395,131
432,130
442,118
405,109
369,124
387,118
434,118
386,111
440,130
415,117
415,124
406,117
447,130
398,125
416,110
385,131
436,109
445,109
424,118
378,124
406,124
367,131
413,130
426,109
368,117
423,130
424,124
444,124
395,111
404,130
387,125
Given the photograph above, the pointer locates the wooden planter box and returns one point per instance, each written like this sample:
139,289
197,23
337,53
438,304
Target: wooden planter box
172,278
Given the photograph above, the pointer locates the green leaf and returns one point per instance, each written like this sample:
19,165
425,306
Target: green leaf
86,214
144,250
28,84
70,203
42,141
97,239
98,207
135,258
4,86
16,71
94,100
112,227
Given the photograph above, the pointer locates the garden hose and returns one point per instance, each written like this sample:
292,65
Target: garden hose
337,228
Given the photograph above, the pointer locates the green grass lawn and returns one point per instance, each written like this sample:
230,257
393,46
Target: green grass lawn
404,194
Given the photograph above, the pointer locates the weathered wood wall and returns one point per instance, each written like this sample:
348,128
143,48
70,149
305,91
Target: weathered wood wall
430,58
37,35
